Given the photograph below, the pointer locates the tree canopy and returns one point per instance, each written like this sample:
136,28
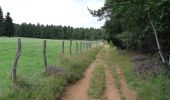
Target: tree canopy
9,26
128,24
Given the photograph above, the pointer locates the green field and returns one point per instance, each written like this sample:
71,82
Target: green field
30,64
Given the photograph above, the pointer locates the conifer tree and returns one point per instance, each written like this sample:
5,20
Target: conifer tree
9,26
1,22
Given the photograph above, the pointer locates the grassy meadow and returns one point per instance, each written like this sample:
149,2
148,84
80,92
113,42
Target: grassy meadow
30,64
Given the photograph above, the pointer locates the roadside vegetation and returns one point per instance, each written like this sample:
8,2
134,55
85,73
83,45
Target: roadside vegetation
112,68
30,64
42,86
97,83
150,86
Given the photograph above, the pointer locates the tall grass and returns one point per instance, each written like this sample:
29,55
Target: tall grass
75,65
97,83
30,64
51,87
155,87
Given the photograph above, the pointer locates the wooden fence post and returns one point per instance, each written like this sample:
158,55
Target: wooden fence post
80,45
83,45
62,55
70,47
89,45
14,70
76,47
44,54
86,45
63,48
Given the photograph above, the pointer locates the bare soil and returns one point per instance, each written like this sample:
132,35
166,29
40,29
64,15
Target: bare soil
79,91
111,92
127,93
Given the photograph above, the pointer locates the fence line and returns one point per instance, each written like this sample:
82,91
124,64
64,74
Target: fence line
79,47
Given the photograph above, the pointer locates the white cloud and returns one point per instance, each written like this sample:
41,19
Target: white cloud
57,12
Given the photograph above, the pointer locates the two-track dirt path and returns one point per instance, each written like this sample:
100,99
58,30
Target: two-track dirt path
79,91
111,92
127,93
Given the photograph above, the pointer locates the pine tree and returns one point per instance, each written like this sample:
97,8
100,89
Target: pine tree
9,26
1,22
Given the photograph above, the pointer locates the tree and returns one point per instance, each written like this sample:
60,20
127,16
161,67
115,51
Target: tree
9,26
139,31
1,22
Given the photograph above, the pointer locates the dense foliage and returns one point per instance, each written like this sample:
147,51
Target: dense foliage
6,25
9,26
128,24
1,22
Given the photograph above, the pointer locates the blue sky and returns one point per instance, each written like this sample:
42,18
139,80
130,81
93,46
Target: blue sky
57,12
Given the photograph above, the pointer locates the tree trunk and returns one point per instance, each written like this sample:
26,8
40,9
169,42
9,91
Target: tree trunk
157,40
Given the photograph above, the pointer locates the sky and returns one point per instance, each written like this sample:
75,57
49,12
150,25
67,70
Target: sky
56,12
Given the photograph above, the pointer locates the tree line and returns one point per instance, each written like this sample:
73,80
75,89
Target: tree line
8,28
57,32
140,25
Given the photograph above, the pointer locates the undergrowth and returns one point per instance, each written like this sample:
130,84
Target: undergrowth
51,87
154,87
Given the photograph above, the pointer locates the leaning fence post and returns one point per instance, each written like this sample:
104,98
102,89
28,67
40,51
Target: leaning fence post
18,53
70,47
44,54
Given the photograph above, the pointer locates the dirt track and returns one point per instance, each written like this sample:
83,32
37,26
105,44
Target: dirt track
79,90
111,92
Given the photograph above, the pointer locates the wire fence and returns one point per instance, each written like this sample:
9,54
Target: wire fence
32,53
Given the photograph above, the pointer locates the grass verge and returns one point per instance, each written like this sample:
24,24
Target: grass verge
97,83
155,87
52,87
112,68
